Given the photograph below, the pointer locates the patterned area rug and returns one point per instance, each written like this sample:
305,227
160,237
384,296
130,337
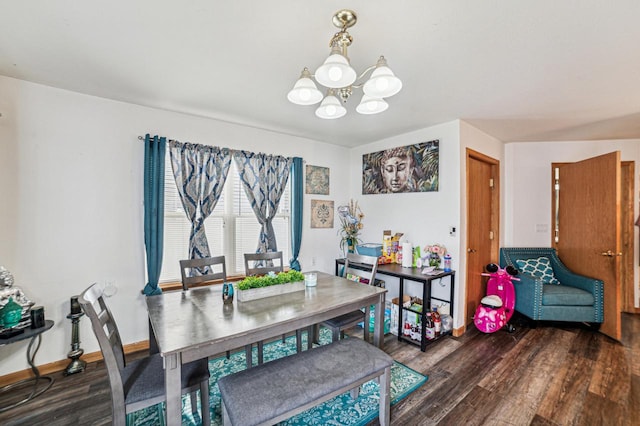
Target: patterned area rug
341,410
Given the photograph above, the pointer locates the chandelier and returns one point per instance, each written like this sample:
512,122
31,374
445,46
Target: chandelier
340,79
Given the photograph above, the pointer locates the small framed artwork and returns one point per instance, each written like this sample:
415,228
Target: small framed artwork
411,168
317,180
321,214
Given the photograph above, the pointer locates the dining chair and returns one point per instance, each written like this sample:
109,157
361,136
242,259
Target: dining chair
363,269
208,269
139,383
261,264
198,271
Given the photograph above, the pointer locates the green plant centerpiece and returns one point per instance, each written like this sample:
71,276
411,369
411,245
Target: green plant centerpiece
257,287
270,279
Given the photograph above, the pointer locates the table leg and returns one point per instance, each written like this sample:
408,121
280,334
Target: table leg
173,389
31,354
378,328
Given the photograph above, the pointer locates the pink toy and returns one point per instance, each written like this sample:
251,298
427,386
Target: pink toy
496,308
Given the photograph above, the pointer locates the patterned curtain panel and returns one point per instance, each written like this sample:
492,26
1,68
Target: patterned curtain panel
264,179
297,196
154,152
200,172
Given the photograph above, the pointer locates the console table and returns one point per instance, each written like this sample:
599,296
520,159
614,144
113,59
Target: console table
34,334
414,274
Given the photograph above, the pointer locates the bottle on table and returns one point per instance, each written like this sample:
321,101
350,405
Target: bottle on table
406,331
429,326
437,321
447,263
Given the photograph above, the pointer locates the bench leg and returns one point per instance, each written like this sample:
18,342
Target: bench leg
385,397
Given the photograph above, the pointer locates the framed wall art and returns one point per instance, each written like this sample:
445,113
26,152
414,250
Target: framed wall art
411,168
321,214
317,180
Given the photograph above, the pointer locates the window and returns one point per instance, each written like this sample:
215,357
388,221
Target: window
232,229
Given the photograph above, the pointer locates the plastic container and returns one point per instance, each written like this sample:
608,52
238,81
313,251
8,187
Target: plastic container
369,249
447,323
447,262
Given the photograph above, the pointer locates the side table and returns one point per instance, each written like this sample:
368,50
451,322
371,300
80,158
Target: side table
36,335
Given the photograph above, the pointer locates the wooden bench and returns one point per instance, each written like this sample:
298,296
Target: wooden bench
277,390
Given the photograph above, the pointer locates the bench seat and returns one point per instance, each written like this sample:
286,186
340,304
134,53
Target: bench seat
277,390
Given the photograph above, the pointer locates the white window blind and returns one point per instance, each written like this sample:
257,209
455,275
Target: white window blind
232,229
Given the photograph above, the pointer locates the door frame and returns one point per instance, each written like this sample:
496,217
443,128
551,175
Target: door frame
494,209
627,219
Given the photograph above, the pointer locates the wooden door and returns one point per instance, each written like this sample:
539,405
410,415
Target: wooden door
483,223
588,227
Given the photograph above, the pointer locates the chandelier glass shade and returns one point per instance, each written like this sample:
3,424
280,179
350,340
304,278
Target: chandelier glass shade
337,75
330,107
305,91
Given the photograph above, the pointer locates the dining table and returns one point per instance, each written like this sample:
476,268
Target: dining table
196,323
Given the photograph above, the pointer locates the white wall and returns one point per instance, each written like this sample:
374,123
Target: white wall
423,217
71,201
528,186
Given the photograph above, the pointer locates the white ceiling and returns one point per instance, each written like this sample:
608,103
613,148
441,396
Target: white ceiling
519,70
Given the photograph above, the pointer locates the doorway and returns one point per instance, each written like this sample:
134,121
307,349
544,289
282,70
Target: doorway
483,224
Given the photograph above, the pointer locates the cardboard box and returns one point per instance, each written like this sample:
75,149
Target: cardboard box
390,246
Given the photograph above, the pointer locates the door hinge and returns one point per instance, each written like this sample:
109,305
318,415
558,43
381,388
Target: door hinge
491,183
491,235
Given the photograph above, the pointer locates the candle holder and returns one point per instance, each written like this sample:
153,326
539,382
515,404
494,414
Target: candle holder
76,365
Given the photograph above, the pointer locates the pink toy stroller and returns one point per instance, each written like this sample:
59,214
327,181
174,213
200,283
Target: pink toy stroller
496,308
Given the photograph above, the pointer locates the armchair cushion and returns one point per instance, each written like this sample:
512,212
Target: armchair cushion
539,267
562,295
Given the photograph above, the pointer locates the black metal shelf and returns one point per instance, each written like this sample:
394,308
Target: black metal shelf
415,274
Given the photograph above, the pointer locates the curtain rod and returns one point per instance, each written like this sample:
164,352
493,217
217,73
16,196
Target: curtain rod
141,138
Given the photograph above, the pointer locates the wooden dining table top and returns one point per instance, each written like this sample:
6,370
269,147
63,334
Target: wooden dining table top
198,317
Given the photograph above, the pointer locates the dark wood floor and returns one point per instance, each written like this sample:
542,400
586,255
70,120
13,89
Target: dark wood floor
549,375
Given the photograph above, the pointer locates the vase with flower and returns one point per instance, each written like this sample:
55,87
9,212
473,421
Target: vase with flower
435,253
350,225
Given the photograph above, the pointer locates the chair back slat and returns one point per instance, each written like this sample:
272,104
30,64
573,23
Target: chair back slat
263,263
197,271
356,264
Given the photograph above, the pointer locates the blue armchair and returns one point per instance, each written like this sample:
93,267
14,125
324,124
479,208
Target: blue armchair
548,291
